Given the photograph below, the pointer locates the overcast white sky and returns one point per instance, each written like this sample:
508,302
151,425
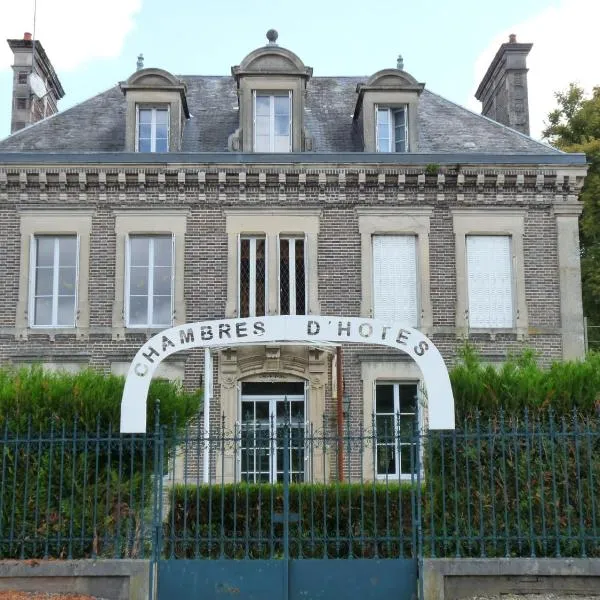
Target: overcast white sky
448,45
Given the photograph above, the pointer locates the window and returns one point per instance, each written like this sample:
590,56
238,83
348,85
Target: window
396,421
391,129
292,276
53,286
149,301
490,289
152,130
273,122
22,77
252,276
21,103
395,278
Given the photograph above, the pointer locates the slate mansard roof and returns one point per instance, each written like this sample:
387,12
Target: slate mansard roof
98,124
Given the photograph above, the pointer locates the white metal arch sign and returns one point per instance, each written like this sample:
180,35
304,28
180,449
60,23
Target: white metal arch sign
307,329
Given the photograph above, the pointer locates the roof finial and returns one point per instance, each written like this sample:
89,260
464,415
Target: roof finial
400,63
512,38
272,36
140,62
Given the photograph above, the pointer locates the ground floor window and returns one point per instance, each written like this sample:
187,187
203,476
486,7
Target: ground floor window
396,420
266,409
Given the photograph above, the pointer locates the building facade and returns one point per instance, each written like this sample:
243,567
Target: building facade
167,200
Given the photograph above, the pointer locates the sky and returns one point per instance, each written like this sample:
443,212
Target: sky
446,44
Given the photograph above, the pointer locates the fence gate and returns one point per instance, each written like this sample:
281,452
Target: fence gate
271,537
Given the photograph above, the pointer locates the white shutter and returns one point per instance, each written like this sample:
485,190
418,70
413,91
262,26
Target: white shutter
490,281
395,278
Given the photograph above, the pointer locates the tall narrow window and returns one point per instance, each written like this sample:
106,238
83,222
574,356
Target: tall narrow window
53,281
149,290
391,129
396,419
152,130
273,122
292,276
252,276
489,266
395,278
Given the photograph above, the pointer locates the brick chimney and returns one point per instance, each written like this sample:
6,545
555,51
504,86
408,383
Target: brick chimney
37,99
503,89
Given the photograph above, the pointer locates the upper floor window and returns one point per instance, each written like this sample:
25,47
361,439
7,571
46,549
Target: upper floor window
53,285
490,281
22,77
252,273
292,276
273,122
395,295
396,419
152,129
149,288
391,129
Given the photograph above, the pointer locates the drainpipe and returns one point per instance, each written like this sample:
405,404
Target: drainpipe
340,414
208,371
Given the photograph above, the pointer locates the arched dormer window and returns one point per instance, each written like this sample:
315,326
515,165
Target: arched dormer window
271,82
388,104
156,111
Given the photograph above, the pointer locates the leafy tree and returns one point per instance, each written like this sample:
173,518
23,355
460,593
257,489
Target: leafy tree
574,126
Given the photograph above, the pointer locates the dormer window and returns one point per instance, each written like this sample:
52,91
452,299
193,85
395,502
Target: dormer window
273,122
152,129
391,129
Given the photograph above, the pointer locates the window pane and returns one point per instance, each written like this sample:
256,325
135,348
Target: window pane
66,281
386,460
407,427
384,399
282,126
244,274
300,279
138,310
145,115
145,132
163,249
45,251
260,277
67,251
407,459
162,131
66,311
263,127
138,281
383,117
162,117
162,281
43,311
263,105
44,281
385,428
262,144
282,106
284,277
144,146
138,251
408,398
282,144
162,145
162,310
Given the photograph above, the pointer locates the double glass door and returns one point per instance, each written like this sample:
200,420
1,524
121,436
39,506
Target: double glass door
265,420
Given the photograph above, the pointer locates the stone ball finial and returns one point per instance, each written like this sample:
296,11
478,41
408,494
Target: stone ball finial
272,36
512,38
400,63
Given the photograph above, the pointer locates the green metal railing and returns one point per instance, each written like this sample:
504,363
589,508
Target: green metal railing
511,485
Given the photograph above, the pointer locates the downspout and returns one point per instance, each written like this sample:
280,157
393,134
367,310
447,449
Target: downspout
207,398
340,414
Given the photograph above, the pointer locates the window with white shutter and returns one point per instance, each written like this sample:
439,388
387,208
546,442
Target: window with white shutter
489,266
395,278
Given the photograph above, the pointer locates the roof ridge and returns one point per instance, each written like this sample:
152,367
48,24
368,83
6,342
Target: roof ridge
500,125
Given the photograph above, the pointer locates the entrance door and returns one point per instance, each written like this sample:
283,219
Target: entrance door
266,409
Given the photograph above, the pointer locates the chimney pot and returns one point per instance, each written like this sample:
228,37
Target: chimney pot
27,36
512,38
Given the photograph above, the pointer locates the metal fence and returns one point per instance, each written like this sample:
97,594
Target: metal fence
511,485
